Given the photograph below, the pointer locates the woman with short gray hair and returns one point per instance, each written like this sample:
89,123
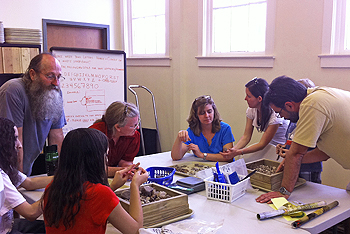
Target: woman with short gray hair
120,123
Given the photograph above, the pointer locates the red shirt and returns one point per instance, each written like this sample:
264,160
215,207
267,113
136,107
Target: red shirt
126,148
94,211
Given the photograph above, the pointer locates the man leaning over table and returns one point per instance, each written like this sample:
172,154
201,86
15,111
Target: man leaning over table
321,114
34,103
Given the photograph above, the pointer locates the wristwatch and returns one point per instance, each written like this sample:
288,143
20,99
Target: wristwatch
284,191
205,156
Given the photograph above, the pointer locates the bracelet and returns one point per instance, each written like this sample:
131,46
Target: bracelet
242,152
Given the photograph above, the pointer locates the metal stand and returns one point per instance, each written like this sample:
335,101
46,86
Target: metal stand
155,115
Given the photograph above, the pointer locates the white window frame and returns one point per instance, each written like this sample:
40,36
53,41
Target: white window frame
259,59
333,56
147,59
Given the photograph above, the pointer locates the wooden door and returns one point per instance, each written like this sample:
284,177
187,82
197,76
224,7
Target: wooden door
74,34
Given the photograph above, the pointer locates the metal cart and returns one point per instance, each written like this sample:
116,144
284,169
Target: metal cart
149,137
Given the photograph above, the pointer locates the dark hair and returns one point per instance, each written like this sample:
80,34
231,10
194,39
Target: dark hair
193,120
82,159
285,89
8,152
35,64
258,87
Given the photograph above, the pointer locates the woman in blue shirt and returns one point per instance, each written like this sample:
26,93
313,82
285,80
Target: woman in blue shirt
206,136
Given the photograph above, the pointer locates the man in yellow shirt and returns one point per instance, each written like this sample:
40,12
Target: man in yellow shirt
321,114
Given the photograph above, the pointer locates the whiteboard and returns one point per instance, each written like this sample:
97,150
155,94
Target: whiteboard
94,79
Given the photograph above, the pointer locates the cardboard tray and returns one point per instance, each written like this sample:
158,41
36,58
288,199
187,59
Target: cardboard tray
192,167
174,208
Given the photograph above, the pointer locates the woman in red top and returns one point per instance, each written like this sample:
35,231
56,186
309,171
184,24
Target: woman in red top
119,124
79,199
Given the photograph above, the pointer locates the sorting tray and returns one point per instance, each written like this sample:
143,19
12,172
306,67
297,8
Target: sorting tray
190,168
267,182
163,211
300,182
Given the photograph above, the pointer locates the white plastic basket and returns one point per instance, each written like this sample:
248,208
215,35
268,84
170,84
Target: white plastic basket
225,192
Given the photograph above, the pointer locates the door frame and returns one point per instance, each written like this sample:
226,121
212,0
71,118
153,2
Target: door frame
102,27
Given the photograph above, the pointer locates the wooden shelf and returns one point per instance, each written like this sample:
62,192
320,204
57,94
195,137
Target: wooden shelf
19,62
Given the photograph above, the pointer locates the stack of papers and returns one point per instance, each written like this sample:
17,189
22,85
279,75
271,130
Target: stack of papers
2,36
23,36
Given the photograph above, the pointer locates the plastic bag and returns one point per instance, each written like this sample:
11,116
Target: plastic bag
188,226
239,166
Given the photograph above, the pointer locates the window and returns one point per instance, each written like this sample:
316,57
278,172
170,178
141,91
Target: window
336,34
340,31
237,33
145,30
238,26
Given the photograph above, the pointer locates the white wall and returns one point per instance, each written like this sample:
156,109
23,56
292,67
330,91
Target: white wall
298,41
29,14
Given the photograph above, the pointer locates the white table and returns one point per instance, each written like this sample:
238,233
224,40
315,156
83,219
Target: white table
240,215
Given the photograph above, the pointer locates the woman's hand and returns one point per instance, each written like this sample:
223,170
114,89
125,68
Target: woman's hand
120,177
140,176
195,149
183,136
231,153
281,150
279,147
180,148
281,166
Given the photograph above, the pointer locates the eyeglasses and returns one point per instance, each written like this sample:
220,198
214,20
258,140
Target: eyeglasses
279,113
125,115
138,124
52,77
255,79
203,97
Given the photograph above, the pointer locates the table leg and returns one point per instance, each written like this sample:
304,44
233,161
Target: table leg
347,225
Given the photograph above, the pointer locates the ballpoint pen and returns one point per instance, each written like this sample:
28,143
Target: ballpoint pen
249,175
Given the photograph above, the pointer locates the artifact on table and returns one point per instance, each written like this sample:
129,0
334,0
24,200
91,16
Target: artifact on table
266,178
164,204
147,194
190,168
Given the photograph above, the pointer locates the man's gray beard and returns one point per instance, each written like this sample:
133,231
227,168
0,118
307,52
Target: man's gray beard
45,102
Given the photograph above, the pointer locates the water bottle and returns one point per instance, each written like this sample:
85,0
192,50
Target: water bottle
51,159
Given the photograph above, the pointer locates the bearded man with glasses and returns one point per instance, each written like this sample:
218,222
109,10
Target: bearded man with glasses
34,103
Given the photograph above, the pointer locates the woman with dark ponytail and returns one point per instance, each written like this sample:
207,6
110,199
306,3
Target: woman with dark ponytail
263,118
11,179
